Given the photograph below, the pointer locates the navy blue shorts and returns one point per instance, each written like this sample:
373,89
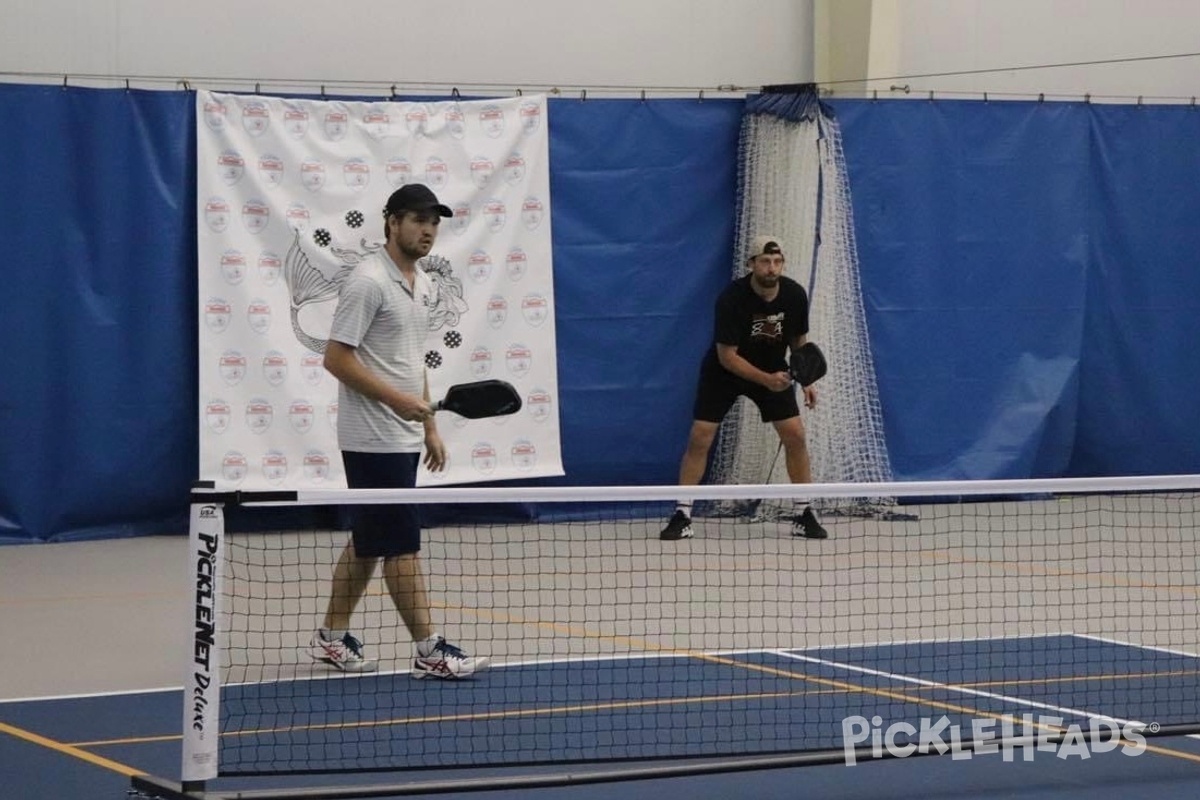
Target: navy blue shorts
383,531
719,389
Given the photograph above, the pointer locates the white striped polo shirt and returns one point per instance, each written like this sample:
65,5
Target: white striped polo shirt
386,324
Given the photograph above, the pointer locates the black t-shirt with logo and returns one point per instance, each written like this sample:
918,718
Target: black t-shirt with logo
760,330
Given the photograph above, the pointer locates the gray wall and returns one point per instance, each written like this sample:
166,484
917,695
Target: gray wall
996,41
530,43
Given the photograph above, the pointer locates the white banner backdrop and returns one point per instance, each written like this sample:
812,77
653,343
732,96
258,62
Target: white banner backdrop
290,199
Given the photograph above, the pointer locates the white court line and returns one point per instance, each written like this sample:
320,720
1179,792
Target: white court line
944,640
1167,650
89,695
959,689
1106,640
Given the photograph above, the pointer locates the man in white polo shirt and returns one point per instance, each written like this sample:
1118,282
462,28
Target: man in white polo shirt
376,351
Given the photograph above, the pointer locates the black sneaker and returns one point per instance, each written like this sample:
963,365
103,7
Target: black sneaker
679,527
808,526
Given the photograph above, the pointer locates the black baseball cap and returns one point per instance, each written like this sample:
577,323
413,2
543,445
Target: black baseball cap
415,197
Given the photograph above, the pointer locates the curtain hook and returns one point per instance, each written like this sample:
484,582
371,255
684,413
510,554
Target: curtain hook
1087,98
643,95
875,95
64,82
455,93
582,95
1041,97
985,97
701,98
322,91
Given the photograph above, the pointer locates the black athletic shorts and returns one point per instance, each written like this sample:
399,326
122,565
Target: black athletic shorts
719,389
383,531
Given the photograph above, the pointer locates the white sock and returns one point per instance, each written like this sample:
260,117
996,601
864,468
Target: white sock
685,507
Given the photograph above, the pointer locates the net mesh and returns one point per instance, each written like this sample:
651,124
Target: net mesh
608,644
794,185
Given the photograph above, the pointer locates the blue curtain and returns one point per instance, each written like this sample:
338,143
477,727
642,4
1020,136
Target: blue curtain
98,416
1031,284
99,411
1029,277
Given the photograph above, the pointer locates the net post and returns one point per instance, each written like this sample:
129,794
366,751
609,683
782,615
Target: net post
202,676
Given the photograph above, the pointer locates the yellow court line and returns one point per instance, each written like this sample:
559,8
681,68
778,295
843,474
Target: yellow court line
834,684
1163,751
840,688
477,716
1103,578
70,750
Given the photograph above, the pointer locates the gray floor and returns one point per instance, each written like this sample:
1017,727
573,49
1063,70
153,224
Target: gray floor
91,617
114,616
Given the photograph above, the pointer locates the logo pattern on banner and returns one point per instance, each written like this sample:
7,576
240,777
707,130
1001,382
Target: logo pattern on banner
290,199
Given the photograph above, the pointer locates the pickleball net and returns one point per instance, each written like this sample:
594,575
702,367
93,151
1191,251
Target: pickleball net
1071,599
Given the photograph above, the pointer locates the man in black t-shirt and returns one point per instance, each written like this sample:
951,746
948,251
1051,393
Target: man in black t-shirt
759,318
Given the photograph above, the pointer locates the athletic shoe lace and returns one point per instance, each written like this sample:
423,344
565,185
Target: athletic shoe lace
449,650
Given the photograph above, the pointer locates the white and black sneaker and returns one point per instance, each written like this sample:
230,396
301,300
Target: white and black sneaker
345,653
678,527
437,658
808,526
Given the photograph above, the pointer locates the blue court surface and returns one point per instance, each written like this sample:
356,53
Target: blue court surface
655,716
